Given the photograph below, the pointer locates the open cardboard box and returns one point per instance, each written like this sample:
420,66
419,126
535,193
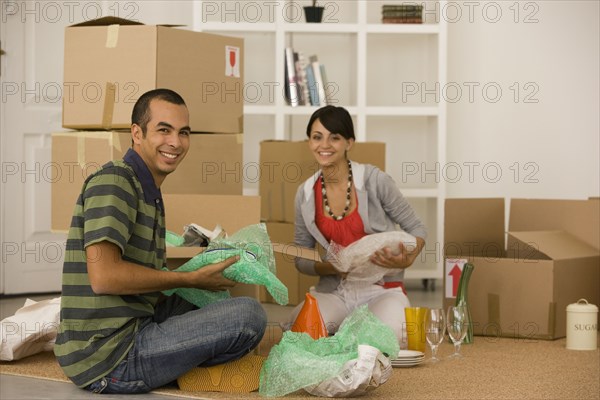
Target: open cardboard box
551,259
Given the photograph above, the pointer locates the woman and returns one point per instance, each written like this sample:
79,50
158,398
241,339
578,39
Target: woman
343,202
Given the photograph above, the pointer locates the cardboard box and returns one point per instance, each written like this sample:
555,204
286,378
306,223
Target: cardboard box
551,259
110,62
286,165
231,212
298,284
209,167
213,165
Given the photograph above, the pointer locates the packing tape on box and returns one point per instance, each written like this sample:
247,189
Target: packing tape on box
494,309
83,136
112,36
239,138
283,200
241,124
551,319
109,105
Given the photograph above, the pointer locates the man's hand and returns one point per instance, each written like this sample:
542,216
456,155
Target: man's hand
404,258
211,276
110,274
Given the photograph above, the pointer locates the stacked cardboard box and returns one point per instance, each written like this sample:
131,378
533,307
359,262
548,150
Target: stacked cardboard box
209,167
108,64
285,166
521,289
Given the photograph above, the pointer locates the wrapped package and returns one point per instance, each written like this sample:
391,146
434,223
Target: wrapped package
359,376
31,330
354,259
301,362
255,266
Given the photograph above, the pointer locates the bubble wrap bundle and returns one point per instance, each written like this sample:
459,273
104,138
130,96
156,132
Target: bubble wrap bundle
173,240
354,259
256,266
299,361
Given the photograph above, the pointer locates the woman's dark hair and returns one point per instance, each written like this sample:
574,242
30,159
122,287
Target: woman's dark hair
141,110
335,119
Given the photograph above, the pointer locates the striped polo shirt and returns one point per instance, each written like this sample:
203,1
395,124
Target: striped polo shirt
121,204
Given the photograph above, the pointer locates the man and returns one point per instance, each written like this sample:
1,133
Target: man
115,335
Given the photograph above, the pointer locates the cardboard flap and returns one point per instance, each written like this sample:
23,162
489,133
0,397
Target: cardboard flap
556,245
474,227
580,218
104,21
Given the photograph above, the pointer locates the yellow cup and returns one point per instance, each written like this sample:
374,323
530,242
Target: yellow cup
415,327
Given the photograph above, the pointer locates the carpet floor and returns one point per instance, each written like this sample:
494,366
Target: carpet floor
492,368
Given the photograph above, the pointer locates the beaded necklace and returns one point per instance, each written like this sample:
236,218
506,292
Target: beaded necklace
324,192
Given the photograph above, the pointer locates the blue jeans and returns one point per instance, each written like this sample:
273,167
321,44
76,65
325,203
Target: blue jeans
180,337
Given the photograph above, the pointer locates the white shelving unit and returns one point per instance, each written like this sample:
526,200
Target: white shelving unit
377,68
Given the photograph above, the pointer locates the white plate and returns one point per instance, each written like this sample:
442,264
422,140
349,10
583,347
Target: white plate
409,355
406,364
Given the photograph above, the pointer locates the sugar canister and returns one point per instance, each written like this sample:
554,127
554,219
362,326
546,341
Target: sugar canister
582,326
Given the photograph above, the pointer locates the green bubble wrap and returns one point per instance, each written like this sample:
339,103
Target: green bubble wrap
256,266
173,239
299,360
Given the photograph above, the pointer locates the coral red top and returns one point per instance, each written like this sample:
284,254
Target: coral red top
343,232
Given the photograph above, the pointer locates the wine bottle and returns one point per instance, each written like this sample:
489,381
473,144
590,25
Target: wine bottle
462,298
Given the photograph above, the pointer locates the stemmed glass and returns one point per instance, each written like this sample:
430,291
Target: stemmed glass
458,324
435,327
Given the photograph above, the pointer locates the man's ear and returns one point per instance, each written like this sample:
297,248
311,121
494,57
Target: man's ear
136,134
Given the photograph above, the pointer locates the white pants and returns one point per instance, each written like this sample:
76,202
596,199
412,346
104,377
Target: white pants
387,305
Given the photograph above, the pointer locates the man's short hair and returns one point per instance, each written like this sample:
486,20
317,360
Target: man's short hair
141,110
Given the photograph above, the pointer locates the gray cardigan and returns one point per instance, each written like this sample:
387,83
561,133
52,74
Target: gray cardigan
380,205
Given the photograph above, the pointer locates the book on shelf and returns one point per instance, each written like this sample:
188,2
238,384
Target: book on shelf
302,67
402,20
313,91
328,87
402,7
291,83
319,84
402,14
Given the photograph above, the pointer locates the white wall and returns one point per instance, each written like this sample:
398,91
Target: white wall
553,142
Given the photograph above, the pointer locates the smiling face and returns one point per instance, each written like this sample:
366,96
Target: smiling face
166,140
329,149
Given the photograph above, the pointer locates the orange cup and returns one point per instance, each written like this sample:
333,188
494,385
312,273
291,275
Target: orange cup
415,327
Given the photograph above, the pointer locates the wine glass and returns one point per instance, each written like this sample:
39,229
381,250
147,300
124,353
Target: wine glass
458,324
435,327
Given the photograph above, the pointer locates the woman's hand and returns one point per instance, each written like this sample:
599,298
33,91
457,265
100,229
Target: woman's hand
404,258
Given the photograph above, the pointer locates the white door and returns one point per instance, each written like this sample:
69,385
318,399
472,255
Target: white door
32,38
